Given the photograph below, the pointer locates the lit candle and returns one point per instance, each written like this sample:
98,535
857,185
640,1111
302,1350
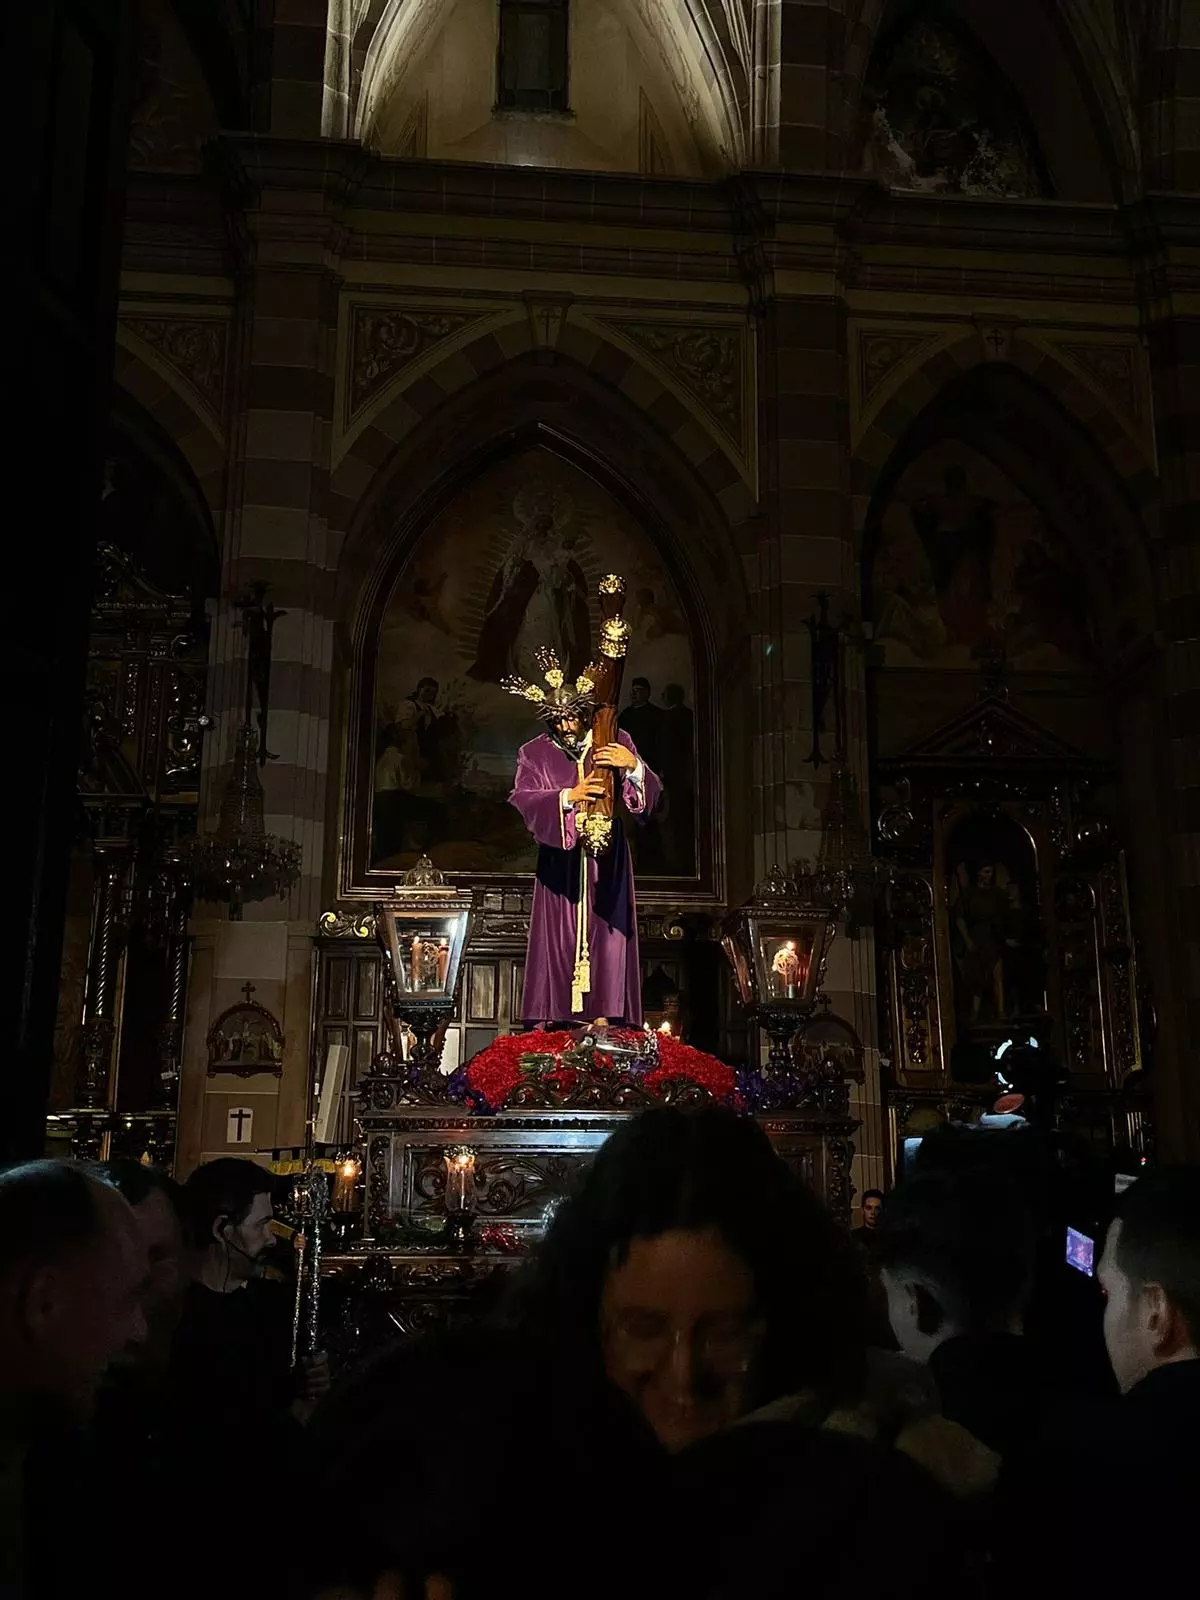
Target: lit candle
664,1026
345,1184
786,967
414,961
460,1178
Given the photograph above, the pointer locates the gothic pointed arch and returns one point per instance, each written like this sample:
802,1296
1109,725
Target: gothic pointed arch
954,96
997,533
155,508
694,376
478,473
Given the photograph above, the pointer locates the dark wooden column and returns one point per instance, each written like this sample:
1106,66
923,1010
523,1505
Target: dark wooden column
65,195
1169,245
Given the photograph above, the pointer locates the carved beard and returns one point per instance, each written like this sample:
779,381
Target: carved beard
570,742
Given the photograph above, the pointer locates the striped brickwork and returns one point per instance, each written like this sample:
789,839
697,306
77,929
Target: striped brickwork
1170,106
279,533
805,547
291,46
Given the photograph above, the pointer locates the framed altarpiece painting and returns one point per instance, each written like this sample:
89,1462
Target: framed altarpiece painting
1006,924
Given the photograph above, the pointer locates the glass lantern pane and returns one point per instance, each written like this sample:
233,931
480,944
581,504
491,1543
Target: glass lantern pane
784,958
426,948
741,970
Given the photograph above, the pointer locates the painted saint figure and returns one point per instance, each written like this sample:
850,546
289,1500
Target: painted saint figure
584,919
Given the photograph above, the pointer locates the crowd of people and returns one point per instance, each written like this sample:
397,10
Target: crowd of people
688,1389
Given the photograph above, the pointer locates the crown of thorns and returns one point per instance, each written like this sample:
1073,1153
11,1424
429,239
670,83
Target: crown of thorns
559,699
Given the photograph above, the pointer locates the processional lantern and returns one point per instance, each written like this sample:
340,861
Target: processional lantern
778,944
423,932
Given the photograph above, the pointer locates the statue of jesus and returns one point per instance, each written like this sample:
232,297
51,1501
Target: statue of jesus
582,960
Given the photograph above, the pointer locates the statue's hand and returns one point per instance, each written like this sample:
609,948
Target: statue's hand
589,788
616,755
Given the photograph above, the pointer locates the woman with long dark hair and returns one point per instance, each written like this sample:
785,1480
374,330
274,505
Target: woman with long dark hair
697,1275
692,1279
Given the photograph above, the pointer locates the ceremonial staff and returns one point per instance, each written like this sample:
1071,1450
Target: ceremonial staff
605,674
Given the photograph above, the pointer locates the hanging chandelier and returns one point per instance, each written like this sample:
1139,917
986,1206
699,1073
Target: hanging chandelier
844,874
241,861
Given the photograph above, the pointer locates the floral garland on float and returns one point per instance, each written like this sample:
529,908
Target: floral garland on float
592,1069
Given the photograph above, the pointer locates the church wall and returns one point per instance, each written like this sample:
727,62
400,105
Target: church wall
849,309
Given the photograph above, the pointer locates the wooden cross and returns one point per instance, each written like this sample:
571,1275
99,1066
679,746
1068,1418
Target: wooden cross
996,340
248,989
241,1118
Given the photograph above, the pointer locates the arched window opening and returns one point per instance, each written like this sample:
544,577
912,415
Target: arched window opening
532,63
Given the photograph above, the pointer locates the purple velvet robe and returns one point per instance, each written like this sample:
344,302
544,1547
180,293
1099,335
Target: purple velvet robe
543,772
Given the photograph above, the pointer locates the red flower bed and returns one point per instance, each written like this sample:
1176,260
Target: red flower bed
494,1073
679,1060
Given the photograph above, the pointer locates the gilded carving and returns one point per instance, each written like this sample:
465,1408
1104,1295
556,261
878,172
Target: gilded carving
1121,975
880,354
1075,913
384,342
1112,368
707,362
913,968
1116,370
346,924
194,347
506,1185
881,357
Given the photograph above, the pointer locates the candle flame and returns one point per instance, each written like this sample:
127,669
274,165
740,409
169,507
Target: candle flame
664,1026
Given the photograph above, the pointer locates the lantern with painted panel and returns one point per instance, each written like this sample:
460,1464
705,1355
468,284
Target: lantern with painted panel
423,932
777,945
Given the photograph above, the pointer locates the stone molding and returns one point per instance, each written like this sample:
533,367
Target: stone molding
190,352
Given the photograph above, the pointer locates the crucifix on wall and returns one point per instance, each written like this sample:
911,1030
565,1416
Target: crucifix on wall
239,1125
826,640
259,617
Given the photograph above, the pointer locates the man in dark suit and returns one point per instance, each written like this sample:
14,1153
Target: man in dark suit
1128,1473
642,721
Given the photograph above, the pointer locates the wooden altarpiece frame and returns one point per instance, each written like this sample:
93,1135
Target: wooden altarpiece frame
993,768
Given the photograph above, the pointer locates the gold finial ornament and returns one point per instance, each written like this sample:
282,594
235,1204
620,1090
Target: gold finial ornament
596,833
548,661
526,690
614,638
612,583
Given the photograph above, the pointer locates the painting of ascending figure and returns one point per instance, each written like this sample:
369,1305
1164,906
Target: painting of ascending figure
966,567
511,564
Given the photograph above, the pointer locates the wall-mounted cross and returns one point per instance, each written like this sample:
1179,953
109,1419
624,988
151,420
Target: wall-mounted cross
996,340
241,1117
248,989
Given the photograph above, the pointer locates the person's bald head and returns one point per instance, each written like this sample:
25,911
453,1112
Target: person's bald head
72,1272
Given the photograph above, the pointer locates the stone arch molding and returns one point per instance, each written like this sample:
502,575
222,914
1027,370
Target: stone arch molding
397,359
1102,377
702,48
190,353
176,368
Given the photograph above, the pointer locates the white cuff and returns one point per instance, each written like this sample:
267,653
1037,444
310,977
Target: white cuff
637,776
564,796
